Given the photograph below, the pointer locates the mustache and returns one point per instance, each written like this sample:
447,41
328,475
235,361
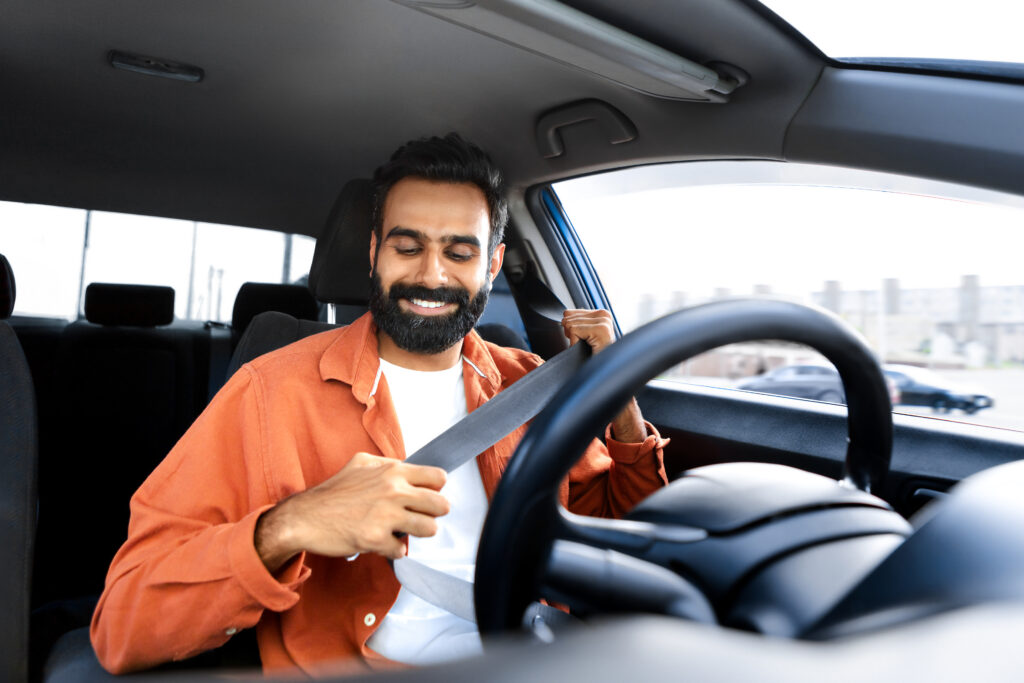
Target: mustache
448,295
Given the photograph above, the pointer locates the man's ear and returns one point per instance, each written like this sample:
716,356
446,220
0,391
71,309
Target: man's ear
496,259
373,251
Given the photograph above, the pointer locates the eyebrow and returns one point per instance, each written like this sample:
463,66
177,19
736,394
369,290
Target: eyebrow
399,231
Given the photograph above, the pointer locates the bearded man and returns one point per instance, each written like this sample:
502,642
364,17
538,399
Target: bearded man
281,506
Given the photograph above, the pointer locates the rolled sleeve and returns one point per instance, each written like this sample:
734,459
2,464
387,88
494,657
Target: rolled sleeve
631,453
276,593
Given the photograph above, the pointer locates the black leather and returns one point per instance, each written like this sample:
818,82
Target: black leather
269,331
254,298
18,455
340,270
131,305
7,288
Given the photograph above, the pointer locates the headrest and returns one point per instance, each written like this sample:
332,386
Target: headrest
136,305
258,297
7,288
340,272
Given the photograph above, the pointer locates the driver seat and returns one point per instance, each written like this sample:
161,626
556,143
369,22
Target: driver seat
18,455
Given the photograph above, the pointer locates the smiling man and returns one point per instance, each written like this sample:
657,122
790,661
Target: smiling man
280,507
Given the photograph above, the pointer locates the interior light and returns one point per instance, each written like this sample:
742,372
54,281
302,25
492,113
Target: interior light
151,66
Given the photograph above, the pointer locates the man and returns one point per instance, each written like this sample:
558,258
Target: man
279,508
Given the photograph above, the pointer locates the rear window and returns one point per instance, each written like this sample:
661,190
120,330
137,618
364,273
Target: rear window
56,253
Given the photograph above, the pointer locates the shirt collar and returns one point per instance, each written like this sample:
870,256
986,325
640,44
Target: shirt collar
353,358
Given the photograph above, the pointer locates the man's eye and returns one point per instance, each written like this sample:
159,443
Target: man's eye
407,251
460,255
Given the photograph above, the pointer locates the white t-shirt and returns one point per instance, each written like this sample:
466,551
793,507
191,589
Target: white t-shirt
414,631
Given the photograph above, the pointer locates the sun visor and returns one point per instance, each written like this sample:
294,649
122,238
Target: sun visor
568,36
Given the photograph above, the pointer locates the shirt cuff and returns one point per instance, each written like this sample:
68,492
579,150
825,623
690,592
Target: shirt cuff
274,593
629,453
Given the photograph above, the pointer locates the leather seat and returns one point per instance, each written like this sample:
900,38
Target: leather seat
18,455
338,276
131,383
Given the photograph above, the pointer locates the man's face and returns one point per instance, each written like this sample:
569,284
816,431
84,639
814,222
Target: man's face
431,272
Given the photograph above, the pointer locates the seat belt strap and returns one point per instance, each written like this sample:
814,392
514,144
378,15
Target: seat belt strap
498,417
220,356
462,442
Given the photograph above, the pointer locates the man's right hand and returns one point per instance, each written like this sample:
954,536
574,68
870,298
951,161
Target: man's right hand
358,510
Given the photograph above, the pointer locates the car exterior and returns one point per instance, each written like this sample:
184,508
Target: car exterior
924,387
817,382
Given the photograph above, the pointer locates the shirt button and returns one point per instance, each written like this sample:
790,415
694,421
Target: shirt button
370,619
231,631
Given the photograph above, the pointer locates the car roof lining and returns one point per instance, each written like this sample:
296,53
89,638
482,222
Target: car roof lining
298,98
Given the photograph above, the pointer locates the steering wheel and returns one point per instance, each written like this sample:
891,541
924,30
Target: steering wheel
525,519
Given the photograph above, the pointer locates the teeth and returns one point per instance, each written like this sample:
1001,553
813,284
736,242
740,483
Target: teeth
427,304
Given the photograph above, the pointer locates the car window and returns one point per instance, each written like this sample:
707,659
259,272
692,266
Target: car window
205,263
928,272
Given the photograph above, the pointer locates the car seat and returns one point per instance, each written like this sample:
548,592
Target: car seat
18,453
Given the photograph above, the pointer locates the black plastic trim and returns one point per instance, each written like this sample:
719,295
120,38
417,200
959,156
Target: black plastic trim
710,424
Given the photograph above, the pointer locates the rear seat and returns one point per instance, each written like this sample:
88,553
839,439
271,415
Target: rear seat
129,384
258,297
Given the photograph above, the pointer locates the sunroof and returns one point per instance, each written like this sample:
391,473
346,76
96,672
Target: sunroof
911,30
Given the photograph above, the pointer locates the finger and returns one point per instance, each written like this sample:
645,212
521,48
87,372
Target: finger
418,525
427,502
394,548
424,475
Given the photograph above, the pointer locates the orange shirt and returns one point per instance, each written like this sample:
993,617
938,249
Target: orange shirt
189,577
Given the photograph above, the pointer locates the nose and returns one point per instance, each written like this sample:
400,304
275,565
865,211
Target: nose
432,271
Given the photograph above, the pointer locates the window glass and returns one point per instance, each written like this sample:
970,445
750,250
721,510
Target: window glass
205,263
44,247
985,30
928,272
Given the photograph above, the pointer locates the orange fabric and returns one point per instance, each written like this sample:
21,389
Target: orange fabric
189,576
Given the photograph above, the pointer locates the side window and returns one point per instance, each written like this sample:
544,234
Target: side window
67,249
928,272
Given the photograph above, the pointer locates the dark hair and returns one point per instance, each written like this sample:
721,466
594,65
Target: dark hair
449,159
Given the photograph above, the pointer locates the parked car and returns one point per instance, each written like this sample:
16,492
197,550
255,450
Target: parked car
924,387
818,382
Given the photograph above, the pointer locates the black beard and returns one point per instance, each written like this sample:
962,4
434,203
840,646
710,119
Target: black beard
420,333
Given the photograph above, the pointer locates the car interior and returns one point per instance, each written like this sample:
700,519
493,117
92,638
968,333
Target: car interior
798,538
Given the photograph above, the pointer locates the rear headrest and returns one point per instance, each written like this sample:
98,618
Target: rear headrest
258,297
7,288
136,305
340,272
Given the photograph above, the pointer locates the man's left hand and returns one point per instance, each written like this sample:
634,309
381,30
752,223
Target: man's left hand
594,327
597,329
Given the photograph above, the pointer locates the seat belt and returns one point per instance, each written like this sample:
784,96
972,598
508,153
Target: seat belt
462,442
220,355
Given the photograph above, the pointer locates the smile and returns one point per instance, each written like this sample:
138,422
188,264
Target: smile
423,303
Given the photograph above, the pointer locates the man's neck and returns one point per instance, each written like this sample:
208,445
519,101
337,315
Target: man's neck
427,362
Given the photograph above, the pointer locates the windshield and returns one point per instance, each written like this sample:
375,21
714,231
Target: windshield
983,30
